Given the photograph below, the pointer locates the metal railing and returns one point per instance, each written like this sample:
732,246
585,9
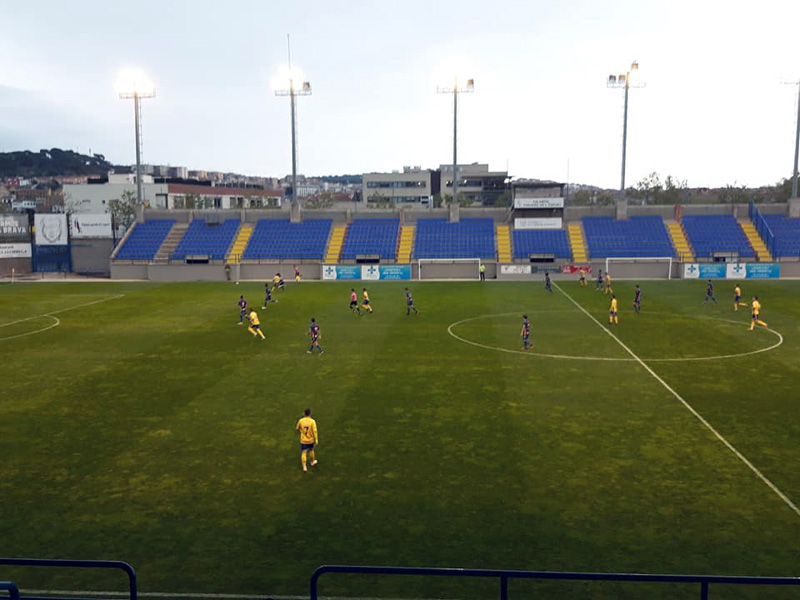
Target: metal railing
762,228
133,593
503,577
11,588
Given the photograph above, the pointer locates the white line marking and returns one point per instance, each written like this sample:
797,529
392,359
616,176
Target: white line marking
50,315
13,337
689,407
606,358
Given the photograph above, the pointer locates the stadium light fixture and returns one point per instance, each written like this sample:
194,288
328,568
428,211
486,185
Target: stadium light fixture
625,81
290,82
468,88
133,83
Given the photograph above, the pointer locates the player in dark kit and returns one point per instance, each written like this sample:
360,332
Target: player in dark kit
547,283
637,299
315,335
267,295
410,303
525,334
242,304
710,293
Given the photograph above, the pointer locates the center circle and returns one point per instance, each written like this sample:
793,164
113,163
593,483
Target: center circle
453,326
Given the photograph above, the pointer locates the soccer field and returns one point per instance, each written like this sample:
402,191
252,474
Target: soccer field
140,422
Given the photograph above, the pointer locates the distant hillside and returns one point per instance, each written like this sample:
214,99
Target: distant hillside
49,163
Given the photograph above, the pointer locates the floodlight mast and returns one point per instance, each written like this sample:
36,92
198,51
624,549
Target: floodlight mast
455,90
796,144
624,81
138,90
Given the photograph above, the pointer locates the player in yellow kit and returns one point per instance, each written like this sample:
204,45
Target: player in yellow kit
308,438
755,311
255,325
737,298
582,273
365,302
608,284
612,312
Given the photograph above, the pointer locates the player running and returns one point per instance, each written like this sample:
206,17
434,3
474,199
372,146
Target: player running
365,304
315,335
755,311
637,299
277,282
308,439
525,334
612,311
410,304
242,304
267,295
710,293
354,302
255,324
737,298
547,284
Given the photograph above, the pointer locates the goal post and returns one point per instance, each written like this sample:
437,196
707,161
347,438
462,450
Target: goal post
449,268
630,263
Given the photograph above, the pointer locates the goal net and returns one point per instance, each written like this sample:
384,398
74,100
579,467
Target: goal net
646,267
448,268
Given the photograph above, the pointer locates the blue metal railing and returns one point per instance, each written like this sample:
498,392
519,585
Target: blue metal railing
11,588
762,228
133,592
503,576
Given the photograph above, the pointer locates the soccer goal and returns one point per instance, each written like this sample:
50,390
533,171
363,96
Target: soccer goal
448,268
646,267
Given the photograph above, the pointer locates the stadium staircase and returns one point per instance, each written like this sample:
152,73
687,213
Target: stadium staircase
171,242
239,244
503,244
755,241
335,244
577,243
406,244
680,241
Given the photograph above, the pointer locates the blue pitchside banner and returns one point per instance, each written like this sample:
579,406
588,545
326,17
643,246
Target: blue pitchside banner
731,271
366,272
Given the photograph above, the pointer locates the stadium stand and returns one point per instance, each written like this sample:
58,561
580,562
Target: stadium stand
145,240
716,233
204,238
541,241
371,236
786,232
281,239
469,238
637,237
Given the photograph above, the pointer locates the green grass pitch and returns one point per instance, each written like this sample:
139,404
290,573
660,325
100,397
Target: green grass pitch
140,422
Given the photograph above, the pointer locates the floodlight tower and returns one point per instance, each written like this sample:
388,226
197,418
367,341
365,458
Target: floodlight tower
289,82
624,81
135,84
456,90
796,140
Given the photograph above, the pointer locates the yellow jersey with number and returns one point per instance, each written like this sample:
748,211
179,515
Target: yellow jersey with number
254,319
308,430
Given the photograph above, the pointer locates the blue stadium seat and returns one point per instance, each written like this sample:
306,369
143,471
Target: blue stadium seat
203,238
145,240
470,238
639,236
541,241
716,233
281,239
787,235
371,236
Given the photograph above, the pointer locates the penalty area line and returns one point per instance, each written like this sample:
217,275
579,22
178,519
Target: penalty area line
688,406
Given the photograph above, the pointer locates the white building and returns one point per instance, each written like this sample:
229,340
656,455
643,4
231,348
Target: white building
413,186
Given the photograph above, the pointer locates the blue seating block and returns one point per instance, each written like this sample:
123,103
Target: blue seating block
212,240
541,241
639,236
281,239
145,240
787,235
716,233
470,238
371,236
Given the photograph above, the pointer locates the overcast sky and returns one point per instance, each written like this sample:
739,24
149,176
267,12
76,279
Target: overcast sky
713,111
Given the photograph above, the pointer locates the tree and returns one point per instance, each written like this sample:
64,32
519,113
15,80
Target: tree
651,190
503,199
321,200
123,211
733,194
